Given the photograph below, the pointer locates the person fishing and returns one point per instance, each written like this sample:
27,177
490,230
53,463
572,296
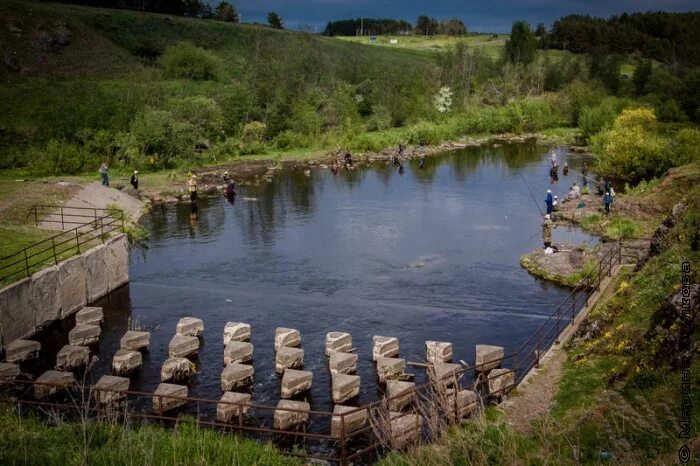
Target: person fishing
547,226
104,171
401,149
135,180
554,174
192,187
348,160
565,170
225,177
607,201
584,173
421,158
553,159
230,188
555,204
395,161
549,201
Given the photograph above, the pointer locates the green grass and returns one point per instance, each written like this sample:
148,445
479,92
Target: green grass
28,441
489,45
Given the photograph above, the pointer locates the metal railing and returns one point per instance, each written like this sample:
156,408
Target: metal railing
65,216
93,230
330,437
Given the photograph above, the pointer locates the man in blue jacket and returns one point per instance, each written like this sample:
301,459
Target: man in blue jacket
549,201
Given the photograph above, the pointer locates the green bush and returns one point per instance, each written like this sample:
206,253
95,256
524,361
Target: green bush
254,132
187,61
202,113
380,118
685,147
60,156
161,139
291,140
670,111
595,119
424,133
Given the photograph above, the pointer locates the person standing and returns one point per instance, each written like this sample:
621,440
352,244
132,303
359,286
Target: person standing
135,180
566,169
192,186
549,201
547,226
584,173
104,171
553,159
607,201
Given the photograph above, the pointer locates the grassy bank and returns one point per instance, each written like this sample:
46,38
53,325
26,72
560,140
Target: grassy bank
619,396
28,441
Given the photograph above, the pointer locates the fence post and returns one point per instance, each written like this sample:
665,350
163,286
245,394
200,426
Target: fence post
36,217
102,229
342,439
77,240
63,226
556,338
26,261
53,247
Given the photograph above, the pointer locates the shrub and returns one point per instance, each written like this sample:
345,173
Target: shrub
254,132
291,140
380,118
670,111
373,142
59,156
685,147
160,138
594,119
423,133
202,113
187,61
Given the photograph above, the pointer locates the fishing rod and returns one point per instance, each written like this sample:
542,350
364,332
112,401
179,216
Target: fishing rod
531,194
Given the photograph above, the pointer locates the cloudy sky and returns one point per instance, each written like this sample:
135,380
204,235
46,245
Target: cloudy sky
478,15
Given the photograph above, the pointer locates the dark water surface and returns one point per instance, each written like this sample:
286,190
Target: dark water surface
428,255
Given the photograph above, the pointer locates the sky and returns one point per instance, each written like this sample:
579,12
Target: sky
478,15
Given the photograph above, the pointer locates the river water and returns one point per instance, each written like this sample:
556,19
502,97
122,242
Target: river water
430,254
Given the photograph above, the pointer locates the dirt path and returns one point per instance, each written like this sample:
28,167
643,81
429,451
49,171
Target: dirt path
77,210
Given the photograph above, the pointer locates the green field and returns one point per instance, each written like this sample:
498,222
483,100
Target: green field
490,45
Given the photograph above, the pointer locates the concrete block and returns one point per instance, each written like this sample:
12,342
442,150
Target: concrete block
50,382
344,387
72,278
400,394
8,372
84,335
384,347
465,403
447,374
190,327
236,376
227,412
438,351
284,419
181,346
17,319
22,350
288,358
287,337
117,261
177,369
500,381
97,281
236,331
352,422
405,429
342,363
488,357
295,382
338,341
390,368
238,351
69,357
135,341
126,361
110,389
89,316
46,295
161,397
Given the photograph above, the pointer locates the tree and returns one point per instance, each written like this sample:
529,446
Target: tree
540,31
522,45
426,25
227,12
274,20
641,76
453,27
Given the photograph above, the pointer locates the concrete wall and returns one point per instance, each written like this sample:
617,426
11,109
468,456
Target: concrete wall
60,290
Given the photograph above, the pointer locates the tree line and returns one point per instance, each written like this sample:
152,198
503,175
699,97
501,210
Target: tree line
425,25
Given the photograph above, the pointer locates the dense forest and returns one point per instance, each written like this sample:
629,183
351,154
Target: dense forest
671,38
425,25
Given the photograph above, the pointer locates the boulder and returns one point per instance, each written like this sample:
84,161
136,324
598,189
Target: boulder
89,316
288,358
110,389
488,357
236,331
84,335
447,374
399,394
126,361
177,369
295,382
345,387
405,429
500,381
285,419
50,382
181,346
228,412
238,351
390,368
438,351
287,337
22,350
135,340
8,372
162,400
69,357
342,363
236,376
338,341
354,421
465,403
190,327
384,347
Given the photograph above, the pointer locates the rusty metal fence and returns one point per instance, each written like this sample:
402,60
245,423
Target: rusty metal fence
327,436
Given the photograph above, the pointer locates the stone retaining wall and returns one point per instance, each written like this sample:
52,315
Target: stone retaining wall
60,290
